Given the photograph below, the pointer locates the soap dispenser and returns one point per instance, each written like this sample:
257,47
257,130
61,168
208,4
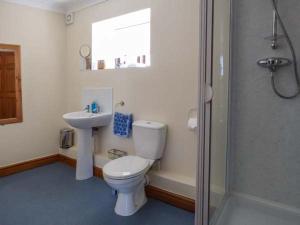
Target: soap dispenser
95,107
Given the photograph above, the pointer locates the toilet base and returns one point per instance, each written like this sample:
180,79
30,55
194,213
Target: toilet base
129,203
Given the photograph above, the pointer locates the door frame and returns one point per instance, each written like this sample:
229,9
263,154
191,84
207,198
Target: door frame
203,157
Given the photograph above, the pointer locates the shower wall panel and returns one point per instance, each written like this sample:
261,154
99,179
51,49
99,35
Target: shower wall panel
265,130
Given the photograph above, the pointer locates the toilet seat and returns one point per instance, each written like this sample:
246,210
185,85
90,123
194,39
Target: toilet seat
126,167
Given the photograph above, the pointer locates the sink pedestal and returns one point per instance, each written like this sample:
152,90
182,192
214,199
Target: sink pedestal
84,167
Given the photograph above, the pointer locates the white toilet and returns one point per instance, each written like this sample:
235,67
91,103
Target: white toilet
127,174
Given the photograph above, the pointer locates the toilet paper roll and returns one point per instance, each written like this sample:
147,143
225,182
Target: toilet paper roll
192,123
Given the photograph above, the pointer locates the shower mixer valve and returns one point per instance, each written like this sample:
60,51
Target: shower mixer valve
274,63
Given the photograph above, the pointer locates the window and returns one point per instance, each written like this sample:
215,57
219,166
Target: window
122,41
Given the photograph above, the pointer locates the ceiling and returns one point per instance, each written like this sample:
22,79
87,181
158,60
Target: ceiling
62,6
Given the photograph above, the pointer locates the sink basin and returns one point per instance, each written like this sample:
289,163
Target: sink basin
86,120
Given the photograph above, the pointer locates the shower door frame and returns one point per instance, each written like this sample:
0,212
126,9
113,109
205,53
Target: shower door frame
205,72
204,113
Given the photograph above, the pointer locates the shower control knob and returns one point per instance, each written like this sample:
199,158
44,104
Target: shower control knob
274,63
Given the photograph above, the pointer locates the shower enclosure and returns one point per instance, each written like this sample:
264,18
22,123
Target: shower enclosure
249,145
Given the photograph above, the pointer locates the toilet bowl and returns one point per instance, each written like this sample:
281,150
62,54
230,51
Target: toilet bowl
127,174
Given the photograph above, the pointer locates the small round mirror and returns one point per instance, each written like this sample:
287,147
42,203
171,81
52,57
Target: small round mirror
85,51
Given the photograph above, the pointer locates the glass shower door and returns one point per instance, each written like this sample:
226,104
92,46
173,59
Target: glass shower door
219,107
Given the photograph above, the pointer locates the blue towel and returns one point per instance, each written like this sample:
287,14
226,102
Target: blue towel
122,124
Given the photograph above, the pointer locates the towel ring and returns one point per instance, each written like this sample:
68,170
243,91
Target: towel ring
121,103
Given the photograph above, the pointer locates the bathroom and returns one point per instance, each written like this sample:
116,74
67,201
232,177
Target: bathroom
149,112
54,78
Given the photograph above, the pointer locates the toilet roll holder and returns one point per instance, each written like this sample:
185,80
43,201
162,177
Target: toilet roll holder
192,119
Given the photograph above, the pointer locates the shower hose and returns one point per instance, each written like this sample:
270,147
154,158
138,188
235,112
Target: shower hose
295,66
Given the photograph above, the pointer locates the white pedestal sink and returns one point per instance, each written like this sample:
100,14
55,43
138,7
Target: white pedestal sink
84,122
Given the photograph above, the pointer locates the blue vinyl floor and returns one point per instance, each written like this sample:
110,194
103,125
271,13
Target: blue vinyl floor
50,195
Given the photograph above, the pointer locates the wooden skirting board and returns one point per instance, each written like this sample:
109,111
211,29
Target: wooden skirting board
171,198
19,167
151,191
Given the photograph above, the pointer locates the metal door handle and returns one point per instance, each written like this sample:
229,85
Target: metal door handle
208,93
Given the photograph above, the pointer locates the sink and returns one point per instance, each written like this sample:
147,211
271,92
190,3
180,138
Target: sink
86,120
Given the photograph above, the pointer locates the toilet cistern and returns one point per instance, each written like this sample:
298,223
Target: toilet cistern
84,121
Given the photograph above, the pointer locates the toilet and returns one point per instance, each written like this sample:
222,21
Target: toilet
127,174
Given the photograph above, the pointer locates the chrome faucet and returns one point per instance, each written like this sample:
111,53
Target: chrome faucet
87,108
274,63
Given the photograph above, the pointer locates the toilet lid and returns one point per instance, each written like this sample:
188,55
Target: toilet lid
126,167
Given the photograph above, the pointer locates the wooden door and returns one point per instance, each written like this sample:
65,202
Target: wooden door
10,84
7,85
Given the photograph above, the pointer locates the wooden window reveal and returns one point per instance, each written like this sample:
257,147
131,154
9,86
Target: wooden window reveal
10,85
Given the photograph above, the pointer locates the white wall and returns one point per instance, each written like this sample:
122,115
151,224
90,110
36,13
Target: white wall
41,35
164,92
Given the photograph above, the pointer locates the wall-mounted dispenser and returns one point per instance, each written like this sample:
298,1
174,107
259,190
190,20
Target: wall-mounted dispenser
66,138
